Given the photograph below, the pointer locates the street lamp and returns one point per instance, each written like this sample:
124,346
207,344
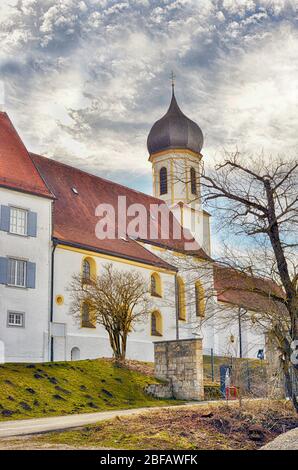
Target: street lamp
241,312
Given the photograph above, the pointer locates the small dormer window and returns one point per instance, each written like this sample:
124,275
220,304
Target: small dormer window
74,190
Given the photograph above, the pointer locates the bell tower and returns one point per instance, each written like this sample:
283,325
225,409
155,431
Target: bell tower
174,144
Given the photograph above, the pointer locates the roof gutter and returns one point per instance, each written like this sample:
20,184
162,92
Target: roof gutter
26,191
174,249
57,241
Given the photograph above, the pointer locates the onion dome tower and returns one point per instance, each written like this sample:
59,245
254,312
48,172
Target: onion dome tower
174,144
175,131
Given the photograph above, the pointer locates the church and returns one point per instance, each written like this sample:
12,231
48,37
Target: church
49,232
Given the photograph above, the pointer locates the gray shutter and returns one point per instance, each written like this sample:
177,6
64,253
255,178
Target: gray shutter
5,218
32,224
3,270
31,274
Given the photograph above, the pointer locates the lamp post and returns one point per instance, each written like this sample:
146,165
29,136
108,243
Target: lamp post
241,312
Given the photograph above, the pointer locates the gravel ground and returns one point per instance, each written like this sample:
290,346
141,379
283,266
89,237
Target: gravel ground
286,441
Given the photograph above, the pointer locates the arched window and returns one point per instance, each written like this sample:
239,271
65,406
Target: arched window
163,181
88,269
87,317
200,299
181,299
156,285
193,181
156,324
75,354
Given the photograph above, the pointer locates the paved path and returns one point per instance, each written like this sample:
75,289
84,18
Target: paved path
286,441
37,425
24,427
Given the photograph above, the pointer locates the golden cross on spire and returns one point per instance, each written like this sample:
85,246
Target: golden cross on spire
172,77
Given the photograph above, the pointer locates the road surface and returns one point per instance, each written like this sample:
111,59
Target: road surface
24,427
58,423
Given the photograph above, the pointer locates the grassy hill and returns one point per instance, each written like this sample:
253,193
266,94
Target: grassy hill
49,389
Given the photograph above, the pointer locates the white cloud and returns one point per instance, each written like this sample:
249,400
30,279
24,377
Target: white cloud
257,95
85,80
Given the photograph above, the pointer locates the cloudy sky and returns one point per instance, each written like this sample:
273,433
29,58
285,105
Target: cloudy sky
84,80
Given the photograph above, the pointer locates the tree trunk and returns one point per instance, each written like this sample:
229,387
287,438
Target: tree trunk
291,381
115,345
123,346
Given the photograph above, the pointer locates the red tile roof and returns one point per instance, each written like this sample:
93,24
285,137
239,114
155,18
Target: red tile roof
74,219
17,171
252,293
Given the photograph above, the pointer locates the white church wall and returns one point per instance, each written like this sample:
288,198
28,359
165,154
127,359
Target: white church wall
220,321
93,342
191,270
197,222
29,342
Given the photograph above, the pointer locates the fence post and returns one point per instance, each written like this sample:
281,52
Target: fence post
212,365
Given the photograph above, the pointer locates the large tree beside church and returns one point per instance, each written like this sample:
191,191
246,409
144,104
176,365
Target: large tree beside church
115,299
257,199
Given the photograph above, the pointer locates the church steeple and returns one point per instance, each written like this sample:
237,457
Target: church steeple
174,131
174,144
173,81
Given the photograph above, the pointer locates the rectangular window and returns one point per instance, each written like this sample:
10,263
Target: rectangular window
17,271
15,319
18,221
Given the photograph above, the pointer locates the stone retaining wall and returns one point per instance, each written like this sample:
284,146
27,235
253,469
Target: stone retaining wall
163,391
180,363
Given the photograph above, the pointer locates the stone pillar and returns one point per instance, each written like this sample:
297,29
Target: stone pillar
181,363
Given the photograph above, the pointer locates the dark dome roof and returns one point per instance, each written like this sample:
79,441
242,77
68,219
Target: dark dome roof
174,131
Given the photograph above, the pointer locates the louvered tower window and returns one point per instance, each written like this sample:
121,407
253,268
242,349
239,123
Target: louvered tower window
193,181
163,181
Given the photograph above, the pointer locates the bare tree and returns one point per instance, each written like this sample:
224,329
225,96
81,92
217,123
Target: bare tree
115,299
259,199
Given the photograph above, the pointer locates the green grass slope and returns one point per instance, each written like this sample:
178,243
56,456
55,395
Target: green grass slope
59,388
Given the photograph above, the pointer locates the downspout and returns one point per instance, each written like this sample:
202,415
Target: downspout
177,306
240,332
52,300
